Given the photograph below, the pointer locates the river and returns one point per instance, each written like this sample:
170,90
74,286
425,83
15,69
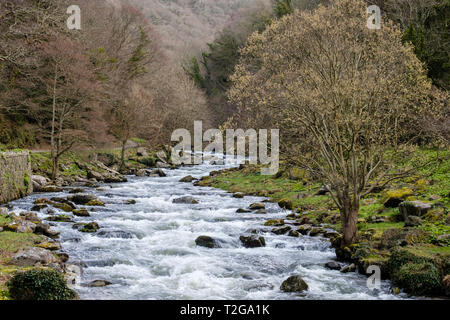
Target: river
158,258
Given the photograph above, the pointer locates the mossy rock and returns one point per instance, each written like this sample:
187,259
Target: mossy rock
60,218
81,212
90,227
63,206
95,203
274,222
419,278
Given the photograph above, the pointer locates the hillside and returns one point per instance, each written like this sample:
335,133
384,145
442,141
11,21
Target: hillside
187,25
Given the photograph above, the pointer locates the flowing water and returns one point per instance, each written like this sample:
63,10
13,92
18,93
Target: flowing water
148,250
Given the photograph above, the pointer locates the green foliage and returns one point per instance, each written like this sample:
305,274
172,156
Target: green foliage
39,284
419,278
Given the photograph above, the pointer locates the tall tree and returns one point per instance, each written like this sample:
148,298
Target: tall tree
344,97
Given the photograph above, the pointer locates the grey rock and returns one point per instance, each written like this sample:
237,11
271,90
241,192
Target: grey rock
281,230
349,268
81,198
414,208
185,200
257,206
188,179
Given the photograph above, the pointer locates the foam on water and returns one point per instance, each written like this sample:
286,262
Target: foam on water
161,261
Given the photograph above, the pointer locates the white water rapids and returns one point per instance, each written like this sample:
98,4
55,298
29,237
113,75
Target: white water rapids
162,261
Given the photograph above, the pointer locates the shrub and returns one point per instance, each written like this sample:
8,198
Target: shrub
39,284
419,278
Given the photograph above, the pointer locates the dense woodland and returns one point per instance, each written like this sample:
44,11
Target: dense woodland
343,95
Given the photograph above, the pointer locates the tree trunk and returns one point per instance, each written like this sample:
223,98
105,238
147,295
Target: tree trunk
122,156
349,219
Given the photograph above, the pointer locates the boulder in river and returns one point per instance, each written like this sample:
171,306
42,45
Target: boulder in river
253,241
81,198
206,241
99,283
294,284
240,210
158,173
333,265
188,179
81,212
77,190
115,234
238,195
257,206
281,230
50,189
304,229
185,200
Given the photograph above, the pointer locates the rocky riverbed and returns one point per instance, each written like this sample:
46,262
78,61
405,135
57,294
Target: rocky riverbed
156,237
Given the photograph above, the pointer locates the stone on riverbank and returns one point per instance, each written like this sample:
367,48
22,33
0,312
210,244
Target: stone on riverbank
333,265
281,230
99,283
33,256
413,208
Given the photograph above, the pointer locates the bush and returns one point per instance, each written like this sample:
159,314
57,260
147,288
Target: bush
39,284
419,278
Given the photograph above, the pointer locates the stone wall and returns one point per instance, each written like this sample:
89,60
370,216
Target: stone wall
15,175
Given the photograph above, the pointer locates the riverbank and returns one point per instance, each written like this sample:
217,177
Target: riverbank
414,254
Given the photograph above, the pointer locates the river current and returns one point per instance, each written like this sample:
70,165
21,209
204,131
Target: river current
148,251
